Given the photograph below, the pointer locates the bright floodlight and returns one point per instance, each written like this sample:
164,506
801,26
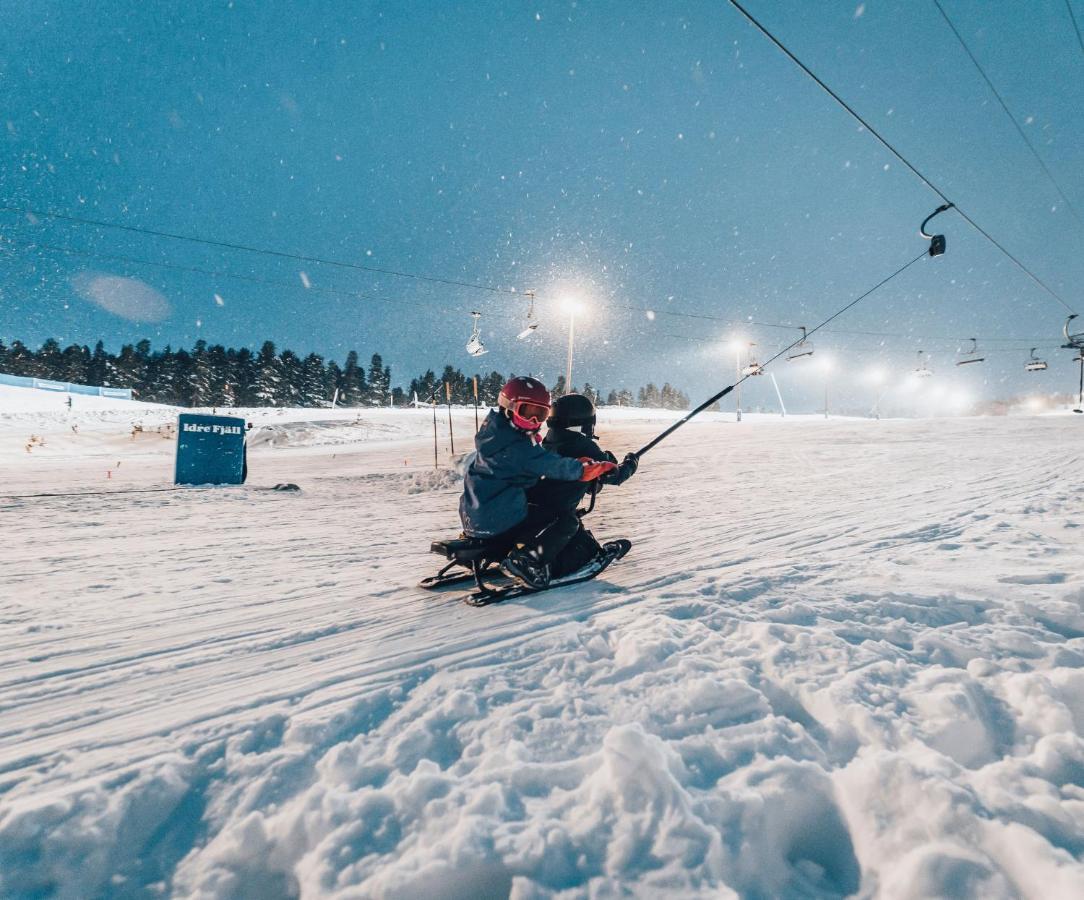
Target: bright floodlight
572,305
876,375
826,363
737,345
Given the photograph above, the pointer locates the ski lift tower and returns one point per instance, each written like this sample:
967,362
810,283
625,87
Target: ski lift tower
826,368
736,345
1076,342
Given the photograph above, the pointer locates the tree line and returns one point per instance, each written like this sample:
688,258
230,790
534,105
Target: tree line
214,375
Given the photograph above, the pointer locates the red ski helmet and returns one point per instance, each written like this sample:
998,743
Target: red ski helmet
526,401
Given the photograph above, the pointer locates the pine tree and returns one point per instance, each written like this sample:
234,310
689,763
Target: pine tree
49,363
243,375
424,387
612,399
220,375
333,382
182,370
378,387
353,388
98,371
313,384
559,389
76,361
268,376
666,396
199,378
289,390
489,387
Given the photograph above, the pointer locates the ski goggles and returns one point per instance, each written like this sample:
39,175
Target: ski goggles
529,416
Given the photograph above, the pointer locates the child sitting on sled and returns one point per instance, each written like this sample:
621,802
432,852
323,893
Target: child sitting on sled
509,460
571,433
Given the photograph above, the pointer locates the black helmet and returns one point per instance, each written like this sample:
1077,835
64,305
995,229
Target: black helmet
572,411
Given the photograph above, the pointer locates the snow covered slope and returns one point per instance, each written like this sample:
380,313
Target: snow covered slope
845,657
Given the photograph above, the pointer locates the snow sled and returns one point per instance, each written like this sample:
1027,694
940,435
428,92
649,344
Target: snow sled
479,558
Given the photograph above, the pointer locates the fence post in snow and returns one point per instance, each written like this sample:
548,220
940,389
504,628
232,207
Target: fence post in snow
436,463
448,395
475,404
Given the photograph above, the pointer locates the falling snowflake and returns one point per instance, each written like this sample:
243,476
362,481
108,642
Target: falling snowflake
219,301
305,280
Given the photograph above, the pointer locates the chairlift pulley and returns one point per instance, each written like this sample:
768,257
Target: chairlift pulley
1072,341
937,241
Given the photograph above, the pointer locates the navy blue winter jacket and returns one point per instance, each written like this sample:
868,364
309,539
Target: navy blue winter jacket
507,463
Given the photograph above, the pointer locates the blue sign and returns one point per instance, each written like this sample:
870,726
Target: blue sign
210,450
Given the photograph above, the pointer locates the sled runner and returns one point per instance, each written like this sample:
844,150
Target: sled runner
479,557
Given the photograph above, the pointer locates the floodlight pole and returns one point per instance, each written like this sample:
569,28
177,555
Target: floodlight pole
571,332
737,379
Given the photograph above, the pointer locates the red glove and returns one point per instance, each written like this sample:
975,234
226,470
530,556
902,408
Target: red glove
593,469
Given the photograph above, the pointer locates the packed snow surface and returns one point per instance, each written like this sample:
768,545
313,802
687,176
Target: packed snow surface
843,657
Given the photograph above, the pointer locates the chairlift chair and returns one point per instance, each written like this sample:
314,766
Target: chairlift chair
802,348
937,241
532,322
1034,364
923,371
966,358
752,367
475,347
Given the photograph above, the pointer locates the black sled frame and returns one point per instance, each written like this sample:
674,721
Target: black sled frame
477,556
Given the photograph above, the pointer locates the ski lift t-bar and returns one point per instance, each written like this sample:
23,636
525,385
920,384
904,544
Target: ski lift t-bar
936,248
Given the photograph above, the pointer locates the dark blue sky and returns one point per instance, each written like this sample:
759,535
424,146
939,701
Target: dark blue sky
661,156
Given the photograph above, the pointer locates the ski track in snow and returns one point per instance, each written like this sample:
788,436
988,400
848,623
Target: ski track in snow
842,657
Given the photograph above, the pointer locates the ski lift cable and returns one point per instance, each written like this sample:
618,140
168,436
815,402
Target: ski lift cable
926,181
214,273
298,257
750,323
1076,28
1024,348
358,295
1012,118
230,245
719,396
